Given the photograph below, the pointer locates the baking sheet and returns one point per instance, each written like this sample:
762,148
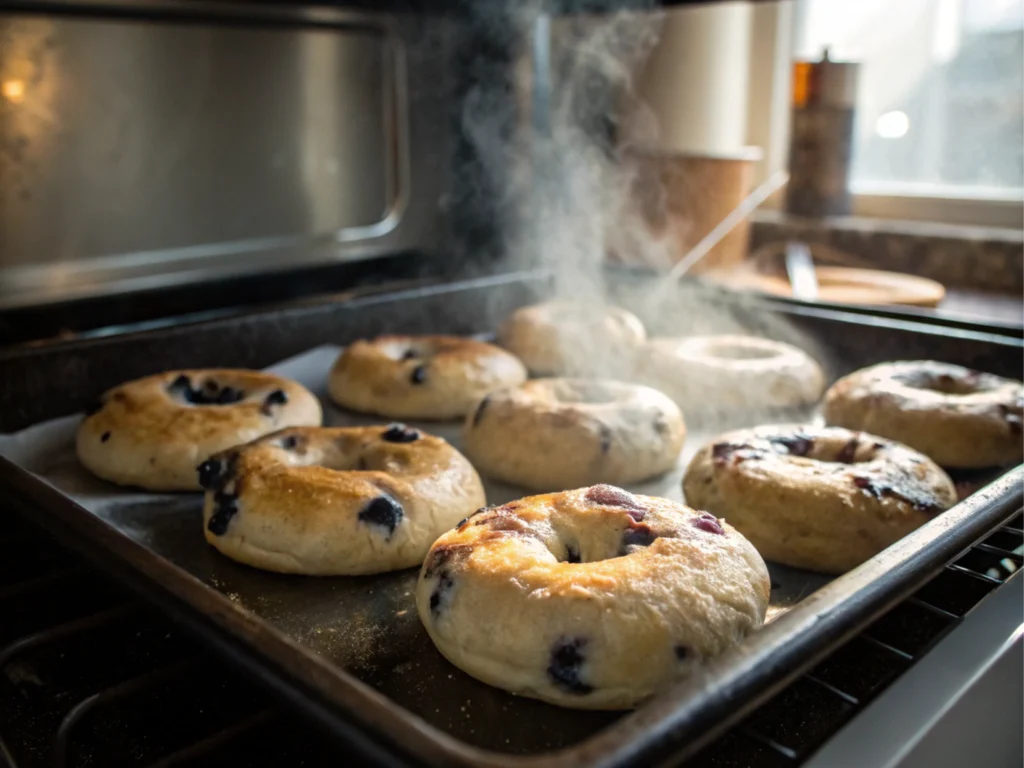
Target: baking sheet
367,625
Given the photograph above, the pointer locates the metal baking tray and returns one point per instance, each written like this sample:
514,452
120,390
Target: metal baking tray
351,651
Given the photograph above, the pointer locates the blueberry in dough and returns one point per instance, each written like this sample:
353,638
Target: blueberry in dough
566,666
399,433
418,375
225,507
383,511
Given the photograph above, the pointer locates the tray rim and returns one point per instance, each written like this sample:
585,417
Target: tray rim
878,317
862,312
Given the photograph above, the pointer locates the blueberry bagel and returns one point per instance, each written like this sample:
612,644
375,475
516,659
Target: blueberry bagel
552,434
729,372
960,418
822,498
152,432
420,377
336,501
563,338
592,598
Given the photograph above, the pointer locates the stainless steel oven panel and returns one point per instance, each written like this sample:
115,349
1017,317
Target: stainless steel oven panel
144,145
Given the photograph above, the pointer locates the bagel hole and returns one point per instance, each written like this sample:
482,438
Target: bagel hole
585,394
210,392
572,554
404,351
851,451
944,385
368,463
841,459
348,459
605,546
740,352
598,535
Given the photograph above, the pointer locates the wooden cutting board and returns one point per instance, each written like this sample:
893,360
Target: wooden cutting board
843,285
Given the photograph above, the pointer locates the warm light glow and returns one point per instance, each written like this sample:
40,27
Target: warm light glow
892,125
13,91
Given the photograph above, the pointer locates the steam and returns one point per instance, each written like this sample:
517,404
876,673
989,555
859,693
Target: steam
564,196
567,194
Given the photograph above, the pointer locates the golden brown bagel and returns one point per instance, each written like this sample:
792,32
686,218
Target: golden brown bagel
420,377
958,417
562,338
592,598
723,373
822,498
152,432
336,501
564,433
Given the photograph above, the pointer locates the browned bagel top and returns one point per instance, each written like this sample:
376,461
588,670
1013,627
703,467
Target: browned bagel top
193,406
572,338
593,597
927,384
849,463
421,357
959,417
302,474
570,541
420,377
336,500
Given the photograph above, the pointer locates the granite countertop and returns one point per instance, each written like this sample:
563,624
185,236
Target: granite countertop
982,268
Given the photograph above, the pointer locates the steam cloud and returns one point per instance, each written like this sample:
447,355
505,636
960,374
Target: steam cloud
566,193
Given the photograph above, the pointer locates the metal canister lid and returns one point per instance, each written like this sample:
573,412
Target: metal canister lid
825,83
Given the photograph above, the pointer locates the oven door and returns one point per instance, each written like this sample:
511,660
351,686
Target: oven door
154,147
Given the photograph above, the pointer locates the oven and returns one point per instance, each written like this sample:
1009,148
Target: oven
192,184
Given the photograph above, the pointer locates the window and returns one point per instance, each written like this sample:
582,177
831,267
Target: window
940,110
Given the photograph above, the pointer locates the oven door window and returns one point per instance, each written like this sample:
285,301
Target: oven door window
150,148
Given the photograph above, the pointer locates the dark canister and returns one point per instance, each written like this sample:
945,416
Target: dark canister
824,99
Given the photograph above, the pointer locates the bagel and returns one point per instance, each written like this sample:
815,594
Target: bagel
336,501
152,432
958,417
552,434
420,377
592,598
821,498
560,338
726,373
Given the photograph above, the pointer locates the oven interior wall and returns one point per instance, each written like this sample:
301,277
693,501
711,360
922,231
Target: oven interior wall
147,151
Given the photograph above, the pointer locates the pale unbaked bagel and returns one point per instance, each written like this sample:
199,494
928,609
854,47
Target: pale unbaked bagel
420,377
336,501
562,338
719,373
152,432
958,417
552,434
822,498
592,598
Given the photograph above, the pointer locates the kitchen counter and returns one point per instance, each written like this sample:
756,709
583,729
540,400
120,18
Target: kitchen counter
985,259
